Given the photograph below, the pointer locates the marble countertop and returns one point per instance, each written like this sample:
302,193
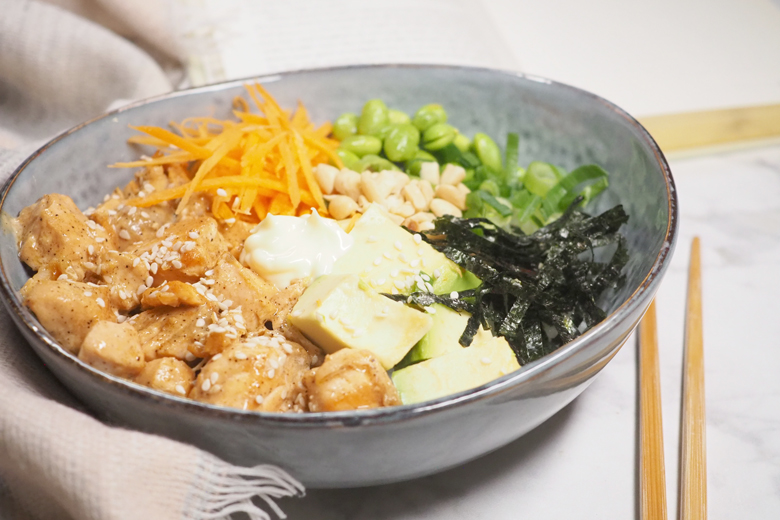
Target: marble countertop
582,462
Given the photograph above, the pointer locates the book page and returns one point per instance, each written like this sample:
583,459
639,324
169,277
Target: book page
230,39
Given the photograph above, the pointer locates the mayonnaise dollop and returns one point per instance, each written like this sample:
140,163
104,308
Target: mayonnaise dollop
282,249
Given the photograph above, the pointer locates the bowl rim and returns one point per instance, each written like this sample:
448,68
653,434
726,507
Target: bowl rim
525,373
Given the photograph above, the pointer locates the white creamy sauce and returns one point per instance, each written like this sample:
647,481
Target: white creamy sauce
282,249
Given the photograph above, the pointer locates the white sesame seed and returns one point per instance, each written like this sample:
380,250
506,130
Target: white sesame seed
377,261
180,389
454,295
200,323
176,264
296,312
274,363
132,211
89,265
91,224
144,214
209,272
100,240
230,221
87,293
63,276
414,263
141,289
240,355
193,235
189,356
221,192
417,238
420,251
436,273
111,212
121,318
402,257
430,310
206,385
380,281
106,198
271,373
388,255
394,273
486,360
214,377
371,239
287,348
398,245
124,234
91,249
142,193
259,399
399,284
101,303
155,266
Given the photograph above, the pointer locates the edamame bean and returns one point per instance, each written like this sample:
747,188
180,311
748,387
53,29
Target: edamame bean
397,117
414,164
462,142
345,125
362,145
349,159
428,116
402,142
373,117
488,152
438,136
375,164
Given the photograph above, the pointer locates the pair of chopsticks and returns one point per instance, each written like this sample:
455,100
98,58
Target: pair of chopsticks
693,463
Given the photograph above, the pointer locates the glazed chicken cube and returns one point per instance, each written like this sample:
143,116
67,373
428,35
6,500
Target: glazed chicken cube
349,379
55,236
123,273
260,373
114,348
167,374
235,234
67,310
172,294
171,331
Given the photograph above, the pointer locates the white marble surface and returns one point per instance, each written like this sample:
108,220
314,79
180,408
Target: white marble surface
582,462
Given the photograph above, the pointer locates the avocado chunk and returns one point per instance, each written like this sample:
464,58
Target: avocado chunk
388,257
444,336
342,311
486,359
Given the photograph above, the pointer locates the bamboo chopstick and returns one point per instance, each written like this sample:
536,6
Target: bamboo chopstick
693,462
651,458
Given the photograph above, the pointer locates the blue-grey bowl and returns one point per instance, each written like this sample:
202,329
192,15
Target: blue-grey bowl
556,123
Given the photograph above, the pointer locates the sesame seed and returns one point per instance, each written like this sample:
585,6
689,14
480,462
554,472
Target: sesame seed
176,264
101,303
380,281
240,355
136,261
91,224
214,377
149,281
100,240
436,273
271,373
388,255
296,312
132,211
180,389
314,358
371,239
111,212
259,399
420,251
142,193
230,221
87,293
209,272
229,303
91,249
121,318
394,273
486,360
89,265
155,267
377,261
193,235
120,207
144,214
430,310
402,257
221,192
454,295
206,385
189,356
63,276
334,314
141,289
284,394
124,234
399,284
274,363
398,245
414,263
287,348
106,198
200,323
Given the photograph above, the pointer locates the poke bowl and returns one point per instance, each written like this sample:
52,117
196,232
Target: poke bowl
554,123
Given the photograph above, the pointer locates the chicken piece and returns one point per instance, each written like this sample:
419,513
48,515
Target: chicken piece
129,224
67,310
56,236
167,374
114,348
349,379
123,273
235,235
166,331
260,301
172,294
260,373
184,250
146,181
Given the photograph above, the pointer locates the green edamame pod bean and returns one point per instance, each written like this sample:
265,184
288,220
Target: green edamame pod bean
415,163
375,164
402,142
488,152
462,142
345,125
373,117
362,145
428,116
438,136
383,131
349,159
396,117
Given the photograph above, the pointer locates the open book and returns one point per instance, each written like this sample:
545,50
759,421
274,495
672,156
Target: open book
230,39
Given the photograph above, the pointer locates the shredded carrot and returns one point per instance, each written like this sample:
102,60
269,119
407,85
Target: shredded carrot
264,161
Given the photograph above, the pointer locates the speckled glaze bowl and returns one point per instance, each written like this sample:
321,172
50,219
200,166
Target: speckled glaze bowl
556,123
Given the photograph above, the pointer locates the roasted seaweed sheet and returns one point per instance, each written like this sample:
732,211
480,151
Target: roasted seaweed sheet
539,291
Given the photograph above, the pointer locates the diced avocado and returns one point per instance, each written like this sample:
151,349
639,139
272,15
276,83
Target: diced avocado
341,311
388,257
446,285
444,336
486,359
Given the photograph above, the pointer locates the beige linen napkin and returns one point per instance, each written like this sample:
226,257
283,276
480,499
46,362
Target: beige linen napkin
56,462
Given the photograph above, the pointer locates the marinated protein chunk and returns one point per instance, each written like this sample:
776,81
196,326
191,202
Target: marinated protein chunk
184,250
55,236
235,234
172,294
67,310
349,379
114,348
171,331
260,373
167,374
123,273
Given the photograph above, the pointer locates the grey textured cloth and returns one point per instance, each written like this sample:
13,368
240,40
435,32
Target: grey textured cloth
57,462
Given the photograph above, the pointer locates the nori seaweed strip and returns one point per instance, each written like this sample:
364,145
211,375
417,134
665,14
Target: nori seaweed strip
548,279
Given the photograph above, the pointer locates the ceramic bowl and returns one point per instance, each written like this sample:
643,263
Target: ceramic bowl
556,123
